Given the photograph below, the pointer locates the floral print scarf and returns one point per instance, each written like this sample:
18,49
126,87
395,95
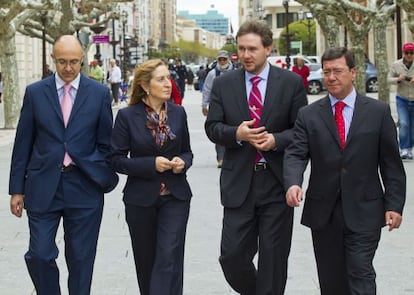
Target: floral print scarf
158,125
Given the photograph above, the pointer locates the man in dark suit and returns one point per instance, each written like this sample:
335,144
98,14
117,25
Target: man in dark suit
357,182
256,217
60,169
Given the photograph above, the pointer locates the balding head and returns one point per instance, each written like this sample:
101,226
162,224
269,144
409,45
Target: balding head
68,57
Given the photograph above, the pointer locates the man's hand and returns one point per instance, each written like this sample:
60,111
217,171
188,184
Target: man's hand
204,111
265,143
294,196
16,204
393,220
246,132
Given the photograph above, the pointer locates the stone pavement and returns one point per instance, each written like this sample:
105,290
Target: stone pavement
114,270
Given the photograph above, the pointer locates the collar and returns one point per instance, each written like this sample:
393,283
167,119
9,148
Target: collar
349,100
60,83
263,74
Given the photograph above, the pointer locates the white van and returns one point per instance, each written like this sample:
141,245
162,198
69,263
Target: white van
280,61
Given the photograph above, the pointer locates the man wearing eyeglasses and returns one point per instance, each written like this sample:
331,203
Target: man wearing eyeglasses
60,169
402,74
357,182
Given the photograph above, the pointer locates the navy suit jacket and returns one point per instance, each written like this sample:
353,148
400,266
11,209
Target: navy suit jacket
368,175
134,152
228,108
41,138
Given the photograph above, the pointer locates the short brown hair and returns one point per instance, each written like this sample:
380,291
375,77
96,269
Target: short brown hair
257,27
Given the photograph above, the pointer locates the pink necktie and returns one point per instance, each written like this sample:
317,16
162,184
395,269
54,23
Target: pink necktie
255,107
66,105
340,123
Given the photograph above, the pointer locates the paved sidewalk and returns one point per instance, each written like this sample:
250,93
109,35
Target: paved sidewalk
114,271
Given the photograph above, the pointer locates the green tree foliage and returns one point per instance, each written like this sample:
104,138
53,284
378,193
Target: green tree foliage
299,32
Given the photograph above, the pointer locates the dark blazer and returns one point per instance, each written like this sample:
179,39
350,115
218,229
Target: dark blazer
134,152
229,108
368,175
41,138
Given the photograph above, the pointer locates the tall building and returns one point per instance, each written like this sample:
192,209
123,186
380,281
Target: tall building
211,21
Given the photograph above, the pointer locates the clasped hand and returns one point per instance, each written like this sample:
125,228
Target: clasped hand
162,164
257,137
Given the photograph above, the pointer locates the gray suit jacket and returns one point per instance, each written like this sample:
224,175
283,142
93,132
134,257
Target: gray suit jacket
285,95
368,175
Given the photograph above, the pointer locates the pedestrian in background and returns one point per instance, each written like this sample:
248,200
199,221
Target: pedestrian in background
114,79
252,113
151,145
201,76
357,181
223,65
190,79
302,70
96,72
181,71
60,169
402,74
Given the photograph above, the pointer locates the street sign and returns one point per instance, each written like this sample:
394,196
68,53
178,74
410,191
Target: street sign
100,39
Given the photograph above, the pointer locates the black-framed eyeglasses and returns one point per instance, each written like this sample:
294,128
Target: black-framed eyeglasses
408,52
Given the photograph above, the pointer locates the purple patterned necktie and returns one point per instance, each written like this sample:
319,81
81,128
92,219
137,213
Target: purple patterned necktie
255,107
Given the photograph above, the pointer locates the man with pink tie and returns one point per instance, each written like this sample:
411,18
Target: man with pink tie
60,169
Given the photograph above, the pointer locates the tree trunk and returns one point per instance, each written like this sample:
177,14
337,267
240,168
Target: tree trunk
11,93
381,57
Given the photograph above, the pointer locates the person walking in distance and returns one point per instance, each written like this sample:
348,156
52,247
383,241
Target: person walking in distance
357,182
114,79
223,65
401,73
181,71
251,113
60,169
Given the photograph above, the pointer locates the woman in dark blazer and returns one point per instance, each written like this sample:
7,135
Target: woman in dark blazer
151,145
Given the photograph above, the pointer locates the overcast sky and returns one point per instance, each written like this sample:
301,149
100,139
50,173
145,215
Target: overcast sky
226,7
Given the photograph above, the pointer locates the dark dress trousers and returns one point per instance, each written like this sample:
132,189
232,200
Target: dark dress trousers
50,194
348,191
157,224
254,201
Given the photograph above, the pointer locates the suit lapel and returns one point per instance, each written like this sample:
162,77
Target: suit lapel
359,115
52,96
81,97
240,94
272,94
328,118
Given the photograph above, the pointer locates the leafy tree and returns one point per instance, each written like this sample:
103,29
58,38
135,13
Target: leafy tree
26,17
358,21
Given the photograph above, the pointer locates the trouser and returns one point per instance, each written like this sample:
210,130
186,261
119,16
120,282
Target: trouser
260,225
405,110
344,258
158,238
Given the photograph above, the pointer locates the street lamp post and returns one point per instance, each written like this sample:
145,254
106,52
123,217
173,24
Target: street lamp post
97,30
308,17
124,47
113,42
287,35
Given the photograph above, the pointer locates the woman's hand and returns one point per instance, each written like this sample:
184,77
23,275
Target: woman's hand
178,165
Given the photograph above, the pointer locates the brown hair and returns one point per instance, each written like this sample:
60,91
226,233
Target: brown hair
143,76
257,27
